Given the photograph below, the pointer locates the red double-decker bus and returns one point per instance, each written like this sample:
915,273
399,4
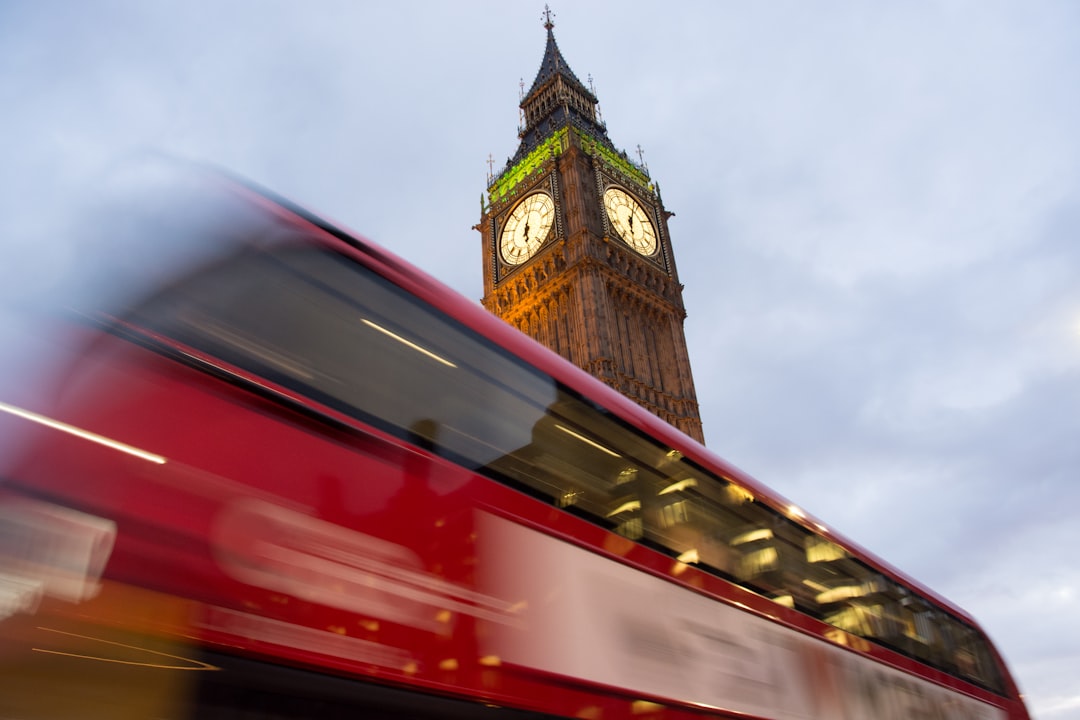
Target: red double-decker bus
271,470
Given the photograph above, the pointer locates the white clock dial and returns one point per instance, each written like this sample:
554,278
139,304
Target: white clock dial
630,220
526,228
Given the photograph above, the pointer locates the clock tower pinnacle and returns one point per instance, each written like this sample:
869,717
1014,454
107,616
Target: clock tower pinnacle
577,253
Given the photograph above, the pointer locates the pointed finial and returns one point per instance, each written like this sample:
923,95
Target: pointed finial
548,22
641,159
491,168
521,100
599,115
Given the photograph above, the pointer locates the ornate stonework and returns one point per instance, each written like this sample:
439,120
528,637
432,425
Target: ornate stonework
584,291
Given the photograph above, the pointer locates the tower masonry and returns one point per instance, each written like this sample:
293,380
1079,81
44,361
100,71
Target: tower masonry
577,252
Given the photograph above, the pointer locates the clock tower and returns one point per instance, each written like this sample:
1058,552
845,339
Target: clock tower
577,252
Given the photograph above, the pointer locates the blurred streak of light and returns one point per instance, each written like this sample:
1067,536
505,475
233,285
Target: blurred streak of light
407,343
679,486
587,441
684,561
752,536
625,507
198,665
690,556
84,434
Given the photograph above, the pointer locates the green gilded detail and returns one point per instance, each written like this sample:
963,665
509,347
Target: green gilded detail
595,148
552,147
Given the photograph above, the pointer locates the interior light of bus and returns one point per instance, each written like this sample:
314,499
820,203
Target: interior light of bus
407,343
844,592
491,661
80,433
570,497
626,507
690,556
587,441
815,585
818,549
752,536
739,495
679,486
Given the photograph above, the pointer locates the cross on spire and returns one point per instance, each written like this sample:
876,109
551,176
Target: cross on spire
548,22
641,159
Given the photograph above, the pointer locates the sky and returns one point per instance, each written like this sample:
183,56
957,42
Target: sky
877,223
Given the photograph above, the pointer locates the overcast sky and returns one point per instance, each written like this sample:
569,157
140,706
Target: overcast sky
877,214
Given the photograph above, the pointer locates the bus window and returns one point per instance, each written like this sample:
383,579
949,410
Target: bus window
318,323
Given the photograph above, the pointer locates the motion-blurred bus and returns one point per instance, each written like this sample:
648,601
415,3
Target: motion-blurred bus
267,469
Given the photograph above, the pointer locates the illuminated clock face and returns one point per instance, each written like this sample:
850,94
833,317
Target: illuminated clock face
526,228
630,221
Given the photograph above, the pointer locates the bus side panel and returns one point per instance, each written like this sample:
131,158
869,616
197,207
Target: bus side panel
158,510
242,522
